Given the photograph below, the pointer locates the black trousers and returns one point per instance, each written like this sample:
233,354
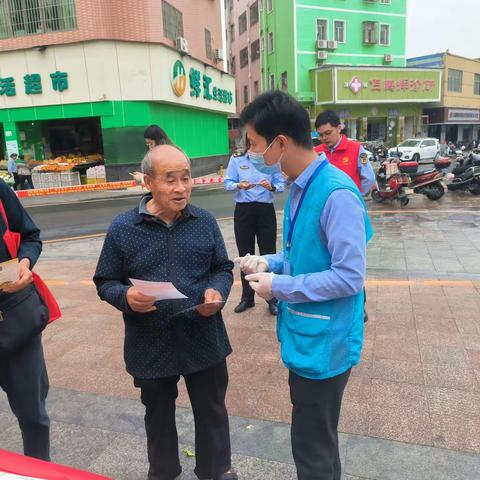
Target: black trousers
314,434
23,376
16,180
26,182
252,220
206,390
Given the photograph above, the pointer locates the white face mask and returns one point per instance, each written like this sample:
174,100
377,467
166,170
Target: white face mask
258,161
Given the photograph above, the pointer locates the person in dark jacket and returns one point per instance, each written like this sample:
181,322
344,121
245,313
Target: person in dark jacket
166,239
23,373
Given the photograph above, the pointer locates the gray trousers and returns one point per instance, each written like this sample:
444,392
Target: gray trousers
23,376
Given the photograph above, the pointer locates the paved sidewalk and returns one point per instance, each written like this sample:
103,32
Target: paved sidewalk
411,409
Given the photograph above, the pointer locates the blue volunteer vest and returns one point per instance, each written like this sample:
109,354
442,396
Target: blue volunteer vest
319,339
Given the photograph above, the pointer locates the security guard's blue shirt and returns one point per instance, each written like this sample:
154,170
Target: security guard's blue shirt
241,169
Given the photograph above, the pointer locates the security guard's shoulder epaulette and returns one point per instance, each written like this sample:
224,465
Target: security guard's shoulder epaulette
238,154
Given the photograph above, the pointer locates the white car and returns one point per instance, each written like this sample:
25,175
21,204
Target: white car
417,149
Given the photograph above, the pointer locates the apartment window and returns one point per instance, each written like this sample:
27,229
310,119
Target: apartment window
245,94
455,78
384,34
476,84
260,5
208,44
262,42
172,21
370,32
232,32
269,6
255,50
243,57
30,17
386,2
242,23
284,81
322,29
254,13
271,81
233,66
339,31
271,42
256,88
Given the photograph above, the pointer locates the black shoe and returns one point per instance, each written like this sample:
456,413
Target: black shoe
272,307
365,316
243,305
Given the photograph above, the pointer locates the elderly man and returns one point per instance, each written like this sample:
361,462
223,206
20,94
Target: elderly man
167,239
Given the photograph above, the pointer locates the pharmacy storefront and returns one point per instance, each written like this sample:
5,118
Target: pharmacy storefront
79,106
377,104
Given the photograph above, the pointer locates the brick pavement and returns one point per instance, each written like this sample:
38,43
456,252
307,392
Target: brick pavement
418,383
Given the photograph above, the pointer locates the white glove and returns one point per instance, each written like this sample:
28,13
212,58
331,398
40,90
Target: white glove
261,284
252,264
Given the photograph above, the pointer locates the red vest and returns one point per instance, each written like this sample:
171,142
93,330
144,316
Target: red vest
345,157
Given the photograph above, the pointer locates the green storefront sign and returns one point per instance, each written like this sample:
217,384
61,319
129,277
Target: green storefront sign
33,84
200,85
377,85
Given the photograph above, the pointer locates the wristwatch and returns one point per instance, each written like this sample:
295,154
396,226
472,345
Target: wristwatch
273,188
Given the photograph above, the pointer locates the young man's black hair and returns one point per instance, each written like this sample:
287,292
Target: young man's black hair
328,116
277,113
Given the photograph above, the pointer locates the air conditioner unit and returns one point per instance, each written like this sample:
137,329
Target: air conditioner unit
387,58
332,44
181,44
322,44
219,54
322,55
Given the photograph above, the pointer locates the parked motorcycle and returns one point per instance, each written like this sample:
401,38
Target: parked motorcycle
467,175
395,178
391,183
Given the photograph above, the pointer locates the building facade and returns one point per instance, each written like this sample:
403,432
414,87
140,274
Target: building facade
87,76
456,117
349,57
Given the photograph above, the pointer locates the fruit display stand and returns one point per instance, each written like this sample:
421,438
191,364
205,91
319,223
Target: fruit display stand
64,171
4,175
17,467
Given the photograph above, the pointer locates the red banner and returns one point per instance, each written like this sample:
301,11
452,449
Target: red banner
30,467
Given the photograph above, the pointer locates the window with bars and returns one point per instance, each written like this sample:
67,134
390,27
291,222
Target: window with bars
270,42
233,66
476,84
172,21
370,32
284,81
242,23
243,57
30,17
245,94
208,44
339,27
271,81
254,13
255,50
322,29
384,34
455,78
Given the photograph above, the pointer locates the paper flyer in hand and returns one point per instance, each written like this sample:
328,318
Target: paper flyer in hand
9,271
159,290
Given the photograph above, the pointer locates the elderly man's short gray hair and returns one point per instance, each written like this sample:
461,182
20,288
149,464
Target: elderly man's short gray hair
147,166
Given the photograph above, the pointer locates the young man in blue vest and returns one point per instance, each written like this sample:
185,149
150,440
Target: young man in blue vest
318,278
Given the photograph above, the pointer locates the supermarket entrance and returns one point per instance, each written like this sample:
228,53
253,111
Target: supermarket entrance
63,152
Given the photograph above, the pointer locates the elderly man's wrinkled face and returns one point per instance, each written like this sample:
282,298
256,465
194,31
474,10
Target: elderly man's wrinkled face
171,184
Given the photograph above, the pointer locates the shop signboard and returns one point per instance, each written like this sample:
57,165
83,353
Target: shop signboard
200,84
384,85
33,84
463,115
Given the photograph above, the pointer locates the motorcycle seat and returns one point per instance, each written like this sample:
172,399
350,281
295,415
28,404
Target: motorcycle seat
424,172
